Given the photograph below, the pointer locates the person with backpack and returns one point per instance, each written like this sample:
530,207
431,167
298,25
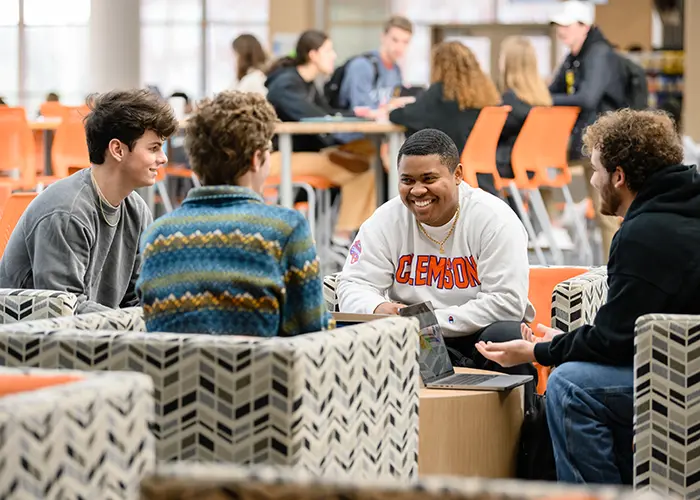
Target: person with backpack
591,78
372,79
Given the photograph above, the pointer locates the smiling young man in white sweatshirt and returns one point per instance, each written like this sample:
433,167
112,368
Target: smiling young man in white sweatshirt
461,248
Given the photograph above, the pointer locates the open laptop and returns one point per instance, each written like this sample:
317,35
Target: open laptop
436,369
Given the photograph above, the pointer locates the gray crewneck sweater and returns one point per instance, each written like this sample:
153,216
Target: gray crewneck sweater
62,242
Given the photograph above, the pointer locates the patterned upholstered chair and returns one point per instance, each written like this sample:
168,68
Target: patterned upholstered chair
27,305
341,402
667,404
74,434
218,481
667,386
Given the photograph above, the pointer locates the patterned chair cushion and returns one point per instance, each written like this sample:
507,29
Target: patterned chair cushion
26,305
667,404
342,402
84,439
576,301
218,481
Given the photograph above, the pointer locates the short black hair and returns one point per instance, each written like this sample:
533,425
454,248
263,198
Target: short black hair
430,141
125,115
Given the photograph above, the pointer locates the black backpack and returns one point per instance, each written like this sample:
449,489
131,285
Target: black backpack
636,87
536,455
331,89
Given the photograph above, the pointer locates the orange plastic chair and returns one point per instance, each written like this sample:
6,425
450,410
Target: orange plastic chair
69,149
17,148
552,166
543,280
479,153
52,109
13,210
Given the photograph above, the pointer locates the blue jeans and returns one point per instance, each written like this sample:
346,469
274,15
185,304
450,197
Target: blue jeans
590,409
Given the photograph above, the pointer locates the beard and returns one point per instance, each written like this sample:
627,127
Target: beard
610,200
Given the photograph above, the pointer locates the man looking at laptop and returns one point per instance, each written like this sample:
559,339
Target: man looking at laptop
442,241
653,268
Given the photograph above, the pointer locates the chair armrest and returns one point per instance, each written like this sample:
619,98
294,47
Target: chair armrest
128,319
330,294
576,301
27,305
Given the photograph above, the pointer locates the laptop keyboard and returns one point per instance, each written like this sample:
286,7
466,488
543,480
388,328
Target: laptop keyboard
466,379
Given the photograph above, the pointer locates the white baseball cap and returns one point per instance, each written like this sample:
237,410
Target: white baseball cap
574,11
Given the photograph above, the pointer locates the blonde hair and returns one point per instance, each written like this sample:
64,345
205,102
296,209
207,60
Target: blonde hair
456,67
520,73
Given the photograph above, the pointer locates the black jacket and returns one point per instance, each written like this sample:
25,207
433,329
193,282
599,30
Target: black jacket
598,84
654,267
511,129
293,99
432,110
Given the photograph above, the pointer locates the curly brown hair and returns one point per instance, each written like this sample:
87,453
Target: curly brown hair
224,133
125,115
456,67
639,142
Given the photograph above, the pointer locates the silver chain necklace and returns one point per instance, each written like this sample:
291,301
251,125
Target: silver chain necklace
101,197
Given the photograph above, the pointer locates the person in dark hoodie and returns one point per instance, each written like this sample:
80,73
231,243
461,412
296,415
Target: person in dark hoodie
591,78
293,94
653,268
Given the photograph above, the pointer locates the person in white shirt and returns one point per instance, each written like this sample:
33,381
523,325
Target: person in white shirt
251,60
441,240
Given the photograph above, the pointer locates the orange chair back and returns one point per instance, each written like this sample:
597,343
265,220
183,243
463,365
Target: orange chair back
17,147
52,109
13,210
553,167
69,150
5,193
479,153
543,144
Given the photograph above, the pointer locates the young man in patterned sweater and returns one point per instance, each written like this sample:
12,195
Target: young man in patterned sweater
225,262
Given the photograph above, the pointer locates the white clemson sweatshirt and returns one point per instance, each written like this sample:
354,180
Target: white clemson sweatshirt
482,277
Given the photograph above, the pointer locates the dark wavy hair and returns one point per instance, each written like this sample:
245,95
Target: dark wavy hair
125,115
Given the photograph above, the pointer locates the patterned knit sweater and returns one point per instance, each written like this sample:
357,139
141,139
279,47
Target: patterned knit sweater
227,263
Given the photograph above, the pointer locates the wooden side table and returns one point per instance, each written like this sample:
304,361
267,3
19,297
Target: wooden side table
469,433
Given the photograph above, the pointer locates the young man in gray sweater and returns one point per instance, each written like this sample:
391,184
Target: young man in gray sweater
81,235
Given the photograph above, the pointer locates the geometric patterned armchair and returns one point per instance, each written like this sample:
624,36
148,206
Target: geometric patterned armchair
27,305
667,404
74,434
339,402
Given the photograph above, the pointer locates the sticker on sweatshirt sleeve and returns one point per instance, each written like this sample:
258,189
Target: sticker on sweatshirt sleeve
355,251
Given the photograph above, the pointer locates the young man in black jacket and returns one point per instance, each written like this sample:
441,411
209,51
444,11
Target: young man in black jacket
654,267
590,78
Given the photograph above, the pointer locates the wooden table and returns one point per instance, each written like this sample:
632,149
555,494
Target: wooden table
469,433
285,131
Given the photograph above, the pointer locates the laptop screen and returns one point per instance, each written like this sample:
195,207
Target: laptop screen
434,360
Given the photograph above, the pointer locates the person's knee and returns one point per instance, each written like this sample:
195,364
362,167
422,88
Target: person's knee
502,331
